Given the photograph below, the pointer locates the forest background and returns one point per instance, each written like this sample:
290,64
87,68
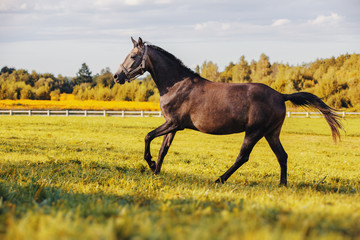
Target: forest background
335,80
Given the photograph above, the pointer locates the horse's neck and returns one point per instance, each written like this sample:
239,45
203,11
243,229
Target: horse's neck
165,72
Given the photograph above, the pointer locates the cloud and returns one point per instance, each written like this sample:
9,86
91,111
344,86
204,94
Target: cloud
133,2
218,27
163,1
280,22
83,30
331,19
120,4
213,25
7,5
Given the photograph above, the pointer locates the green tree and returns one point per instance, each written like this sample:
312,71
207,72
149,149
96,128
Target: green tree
82,76
64,84
7,70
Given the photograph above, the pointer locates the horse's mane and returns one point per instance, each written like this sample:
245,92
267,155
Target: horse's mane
169,55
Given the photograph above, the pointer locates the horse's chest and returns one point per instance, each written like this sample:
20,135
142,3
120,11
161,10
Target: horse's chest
176,102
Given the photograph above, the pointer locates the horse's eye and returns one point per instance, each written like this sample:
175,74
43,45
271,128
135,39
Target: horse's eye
133,56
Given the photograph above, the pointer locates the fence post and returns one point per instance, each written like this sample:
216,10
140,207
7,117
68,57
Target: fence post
67,113
159,113
307,114
104,113
85,113
11,112
343,115
122,113
141,113
48,112
288,114
29,112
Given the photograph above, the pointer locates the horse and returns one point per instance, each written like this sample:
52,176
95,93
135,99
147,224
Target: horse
188,101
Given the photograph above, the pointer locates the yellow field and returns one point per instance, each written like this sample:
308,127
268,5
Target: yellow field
67,101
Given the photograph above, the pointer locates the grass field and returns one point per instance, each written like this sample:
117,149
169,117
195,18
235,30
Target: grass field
84,178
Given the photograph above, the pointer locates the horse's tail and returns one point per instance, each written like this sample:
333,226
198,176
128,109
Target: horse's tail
308,99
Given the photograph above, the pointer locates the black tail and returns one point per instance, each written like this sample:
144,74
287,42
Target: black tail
308,99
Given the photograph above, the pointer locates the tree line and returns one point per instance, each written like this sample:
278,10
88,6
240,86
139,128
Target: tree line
335,80
20,84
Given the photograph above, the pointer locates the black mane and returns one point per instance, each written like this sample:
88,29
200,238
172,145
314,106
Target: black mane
169,55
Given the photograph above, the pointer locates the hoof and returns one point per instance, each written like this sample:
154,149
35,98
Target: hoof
152,166
156,171
283,185
219,180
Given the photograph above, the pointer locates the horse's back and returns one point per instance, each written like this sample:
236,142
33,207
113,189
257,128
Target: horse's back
261,104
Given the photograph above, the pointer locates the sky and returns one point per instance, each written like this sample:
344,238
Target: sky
57,36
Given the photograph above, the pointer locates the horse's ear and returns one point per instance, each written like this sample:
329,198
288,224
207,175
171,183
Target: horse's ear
140,42
134,42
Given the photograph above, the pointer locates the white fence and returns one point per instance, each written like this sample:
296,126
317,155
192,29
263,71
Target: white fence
85,113
318,114
105,113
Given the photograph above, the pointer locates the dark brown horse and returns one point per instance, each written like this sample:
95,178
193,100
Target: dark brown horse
190,101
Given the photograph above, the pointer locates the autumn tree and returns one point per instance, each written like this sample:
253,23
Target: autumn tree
262,70
209,70
241,72
227,75
105,78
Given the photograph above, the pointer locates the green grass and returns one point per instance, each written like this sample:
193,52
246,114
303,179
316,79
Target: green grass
85,178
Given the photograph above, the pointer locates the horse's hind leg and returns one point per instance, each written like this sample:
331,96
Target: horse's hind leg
275,144
249,142
168,138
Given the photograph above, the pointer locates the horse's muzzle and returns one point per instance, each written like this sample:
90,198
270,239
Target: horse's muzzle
120,78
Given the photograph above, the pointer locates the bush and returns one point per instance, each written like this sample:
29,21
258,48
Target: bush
55,95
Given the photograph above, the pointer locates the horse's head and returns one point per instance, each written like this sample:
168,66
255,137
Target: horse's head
134,63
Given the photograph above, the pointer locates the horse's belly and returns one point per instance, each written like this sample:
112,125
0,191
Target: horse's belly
219,125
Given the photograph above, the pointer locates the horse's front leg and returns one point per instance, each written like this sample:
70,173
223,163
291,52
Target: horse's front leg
163,150
166,128
147,154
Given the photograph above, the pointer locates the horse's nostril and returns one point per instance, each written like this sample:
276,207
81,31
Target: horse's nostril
115,76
